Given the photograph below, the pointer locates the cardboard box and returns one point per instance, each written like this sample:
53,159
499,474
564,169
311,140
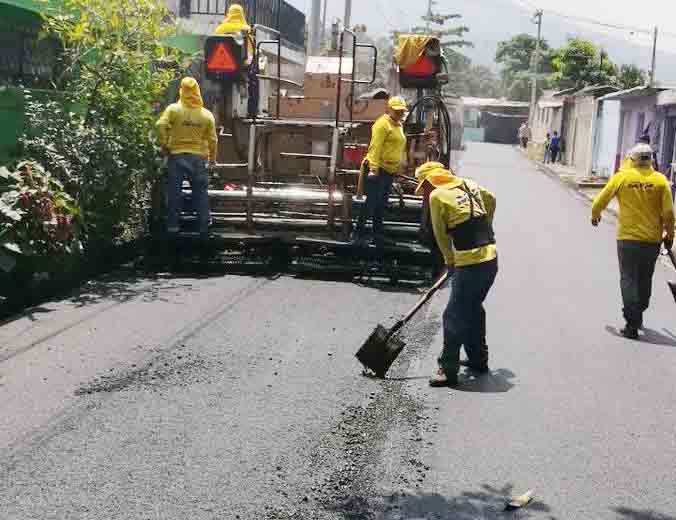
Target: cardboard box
300,107
321,77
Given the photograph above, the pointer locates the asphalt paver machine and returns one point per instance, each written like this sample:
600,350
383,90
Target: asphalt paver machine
283,194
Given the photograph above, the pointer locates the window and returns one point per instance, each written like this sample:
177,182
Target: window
27,60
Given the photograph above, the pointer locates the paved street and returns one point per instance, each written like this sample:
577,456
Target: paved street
239,397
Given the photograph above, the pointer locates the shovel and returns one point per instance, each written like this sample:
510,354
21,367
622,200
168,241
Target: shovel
672,285
382,347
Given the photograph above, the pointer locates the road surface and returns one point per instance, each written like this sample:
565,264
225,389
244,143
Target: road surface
239,397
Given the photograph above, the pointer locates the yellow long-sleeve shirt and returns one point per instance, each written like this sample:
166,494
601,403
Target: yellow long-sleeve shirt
188,130
387,146
646,207
449,207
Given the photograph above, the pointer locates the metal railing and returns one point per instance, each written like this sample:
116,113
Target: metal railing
352,81
278,14
278,44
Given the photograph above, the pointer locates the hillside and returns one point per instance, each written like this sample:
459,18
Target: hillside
491,21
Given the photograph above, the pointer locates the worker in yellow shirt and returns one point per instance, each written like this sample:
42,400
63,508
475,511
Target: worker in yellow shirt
383,161
462,218
188,136
235,24
646,220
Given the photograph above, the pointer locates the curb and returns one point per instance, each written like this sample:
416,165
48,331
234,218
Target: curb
573,187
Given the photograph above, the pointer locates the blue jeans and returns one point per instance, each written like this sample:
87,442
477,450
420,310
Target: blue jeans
377,195
192,167
465,316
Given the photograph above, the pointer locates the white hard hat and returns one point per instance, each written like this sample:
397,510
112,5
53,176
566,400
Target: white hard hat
641,152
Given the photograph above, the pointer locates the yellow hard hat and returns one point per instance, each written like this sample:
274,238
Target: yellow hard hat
397,103
436,174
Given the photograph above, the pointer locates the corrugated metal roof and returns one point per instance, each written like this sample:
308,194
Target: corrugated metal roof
550,103
594,90
493,102
636,92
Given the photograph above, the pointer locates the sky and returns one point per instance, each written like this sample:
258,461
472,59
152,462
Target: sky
646,14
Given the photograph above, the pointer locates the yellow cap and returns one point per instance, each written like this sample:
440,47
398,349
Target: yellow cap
436,174
397,103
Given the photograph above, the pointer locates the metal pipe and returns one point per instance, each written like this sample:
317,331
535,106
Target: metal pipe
324,22
251,179
348,14
332,174
279,66
340,76
315,20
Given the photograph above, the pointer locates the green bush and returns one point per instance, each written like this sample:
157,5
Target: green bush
40,225
115,67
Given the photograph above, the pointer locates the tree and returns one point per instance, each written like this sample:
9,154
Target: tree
516,58
579,63
631,76
466,79
451,38
115,68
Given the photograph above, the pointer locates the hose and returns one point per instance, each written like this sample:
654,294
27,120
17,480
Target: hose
445,125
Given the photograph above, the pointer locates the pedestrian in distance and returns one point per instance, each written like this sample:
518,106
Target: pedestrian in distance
646,221
383,161
462,219
188,137
524,134
554,147
548,139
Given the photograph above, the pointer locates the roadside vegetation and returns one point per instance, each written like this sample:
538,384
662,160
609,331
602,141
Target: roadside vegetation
88,157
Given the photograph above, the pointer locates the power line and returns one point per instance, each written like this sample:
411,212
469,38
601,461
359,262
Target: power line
590,21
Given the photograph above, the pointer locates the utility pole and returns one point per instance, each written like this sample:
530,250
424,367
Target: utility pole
429,14
313,44
537,18
654,60
348,14
324,22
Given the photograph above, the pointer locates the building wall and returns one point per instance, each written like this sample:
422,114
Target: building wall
547,120
578,133
608,130
637,116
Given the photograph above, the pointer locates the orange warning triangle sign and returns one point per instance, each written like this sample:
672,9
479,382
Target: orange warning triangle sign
220,59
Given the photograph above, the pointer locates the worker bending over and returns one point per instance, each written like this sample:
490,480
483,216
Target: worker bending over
188,136
646,220
462,218
382,163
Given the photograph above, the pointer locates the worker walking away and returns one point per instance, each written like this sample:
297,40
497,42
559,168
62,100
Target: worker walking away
646,220
383,161
462,219
188,136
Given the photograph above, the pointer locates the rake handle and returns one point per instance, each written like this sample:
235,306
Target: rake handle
425,298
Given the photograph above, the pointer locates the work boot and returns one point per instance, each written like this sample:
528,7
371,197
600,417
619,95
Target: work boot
479,369
630,332
441,380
